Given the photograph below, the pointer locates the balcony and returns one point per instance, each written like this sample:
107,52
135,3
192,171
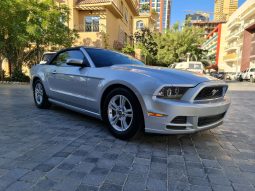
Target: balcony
113,5
231,37
230,57
89,28
234,24
231,47
250,12
249,23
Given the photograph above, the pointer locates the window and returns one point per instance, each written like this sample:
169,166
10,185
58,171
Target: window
104,58
48,56
92,24
139,24
252,70
62,58
194,66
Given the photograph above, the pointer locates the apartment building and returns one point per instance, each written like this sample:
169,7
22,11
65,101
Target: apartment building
198,16
223,9
103,23
144,20
214,44
163,9
207,26
240,39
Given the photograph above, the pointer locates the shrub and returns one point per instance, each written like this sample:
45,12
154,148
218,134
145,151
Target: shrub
128,49
18,76
2,74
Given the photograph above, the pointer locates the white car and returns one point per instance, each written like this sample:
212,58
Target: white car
196,67
249,74
230,76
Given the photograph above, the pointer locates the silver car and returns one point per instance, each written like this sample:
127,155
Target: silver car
128,95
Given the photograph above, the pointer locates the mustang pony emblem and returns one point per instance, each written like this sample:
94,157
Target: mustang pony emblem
214,91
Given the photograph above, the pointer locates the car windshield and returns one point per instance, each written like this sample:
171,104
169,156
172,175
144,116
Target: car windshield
104,58
194,66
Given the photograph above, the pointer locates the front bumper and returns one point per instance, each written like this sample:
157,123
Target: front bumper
194,112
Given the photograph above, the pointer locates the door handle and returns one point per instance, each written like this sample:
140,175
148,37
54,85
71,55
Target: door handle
54,72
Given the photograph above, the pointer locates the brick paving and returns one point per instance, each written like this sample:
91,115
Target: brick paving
60,150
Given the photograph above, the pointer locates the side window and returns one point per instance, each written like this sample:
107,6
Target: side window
62,58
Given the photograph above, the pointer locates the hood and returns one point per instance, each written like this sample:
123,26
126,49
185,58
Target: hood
166,75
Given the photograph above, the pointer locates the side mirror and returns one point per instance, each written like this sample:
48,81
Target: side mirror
75,62
42,62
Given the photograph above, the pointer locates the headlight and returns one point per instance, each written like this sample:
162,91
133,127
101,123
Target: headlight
172,92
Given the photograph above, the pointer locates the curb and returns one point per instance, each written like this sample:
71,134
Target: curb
14,83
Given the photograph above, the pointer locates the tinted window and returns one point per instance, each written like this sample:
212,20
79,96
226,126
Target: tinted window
103,58
61,59
252,70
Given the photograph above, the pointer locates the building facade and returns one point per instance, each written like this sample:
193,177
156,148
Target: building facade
144,20
240,39
213,44
198,16
163,9
103,23
223,9
207,26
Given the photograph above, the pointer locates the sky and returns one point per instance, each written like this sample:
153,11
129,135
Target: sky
179,8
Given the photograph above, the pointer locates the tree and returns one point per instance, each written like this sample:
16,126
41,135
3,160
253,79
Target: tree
175,44
145,7
47,24
13,37
32,25
145,40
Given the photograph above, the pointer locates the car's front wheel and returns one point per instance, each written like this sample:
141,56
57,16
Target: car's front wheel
123,113
40,97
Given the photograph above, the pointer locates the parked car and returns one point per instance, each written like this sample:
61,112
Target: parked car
237,76
46,57
248,74
129,95
196,67
230,76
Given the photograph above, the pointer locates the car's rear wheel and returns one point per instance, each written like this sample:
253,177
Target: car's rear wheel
40,97
122,112
252,79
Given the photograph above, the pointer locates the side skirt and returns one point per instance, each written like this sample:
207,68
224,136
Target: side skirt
77,109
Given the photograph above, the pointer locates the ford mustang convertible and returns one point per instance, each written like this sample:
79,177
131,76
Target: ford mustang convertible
129,95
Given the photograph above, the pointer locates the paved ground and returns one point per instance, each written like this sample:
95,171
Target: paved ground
63,151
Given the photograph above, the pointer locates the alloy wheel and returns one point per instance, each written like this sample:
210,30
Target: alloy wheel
120,113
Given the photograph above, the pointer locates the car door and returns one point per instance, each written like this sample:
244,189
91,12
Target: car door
68,83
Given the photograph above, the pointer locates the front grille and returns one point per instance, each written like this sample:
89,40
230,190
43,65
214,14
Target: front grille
202,121
179,120
210,93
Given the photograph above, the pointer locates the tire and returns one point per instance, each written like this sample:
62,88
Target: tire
123,122
40,97
240,79
251,79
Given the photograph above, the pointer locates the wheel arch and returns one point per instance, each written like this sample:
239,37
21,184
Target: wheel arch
35,78
111,87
